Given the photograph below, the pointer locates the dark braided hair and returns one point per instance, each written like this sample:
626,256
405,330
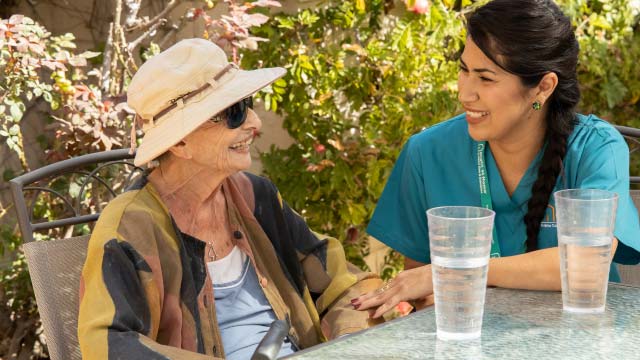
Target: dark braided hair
530,38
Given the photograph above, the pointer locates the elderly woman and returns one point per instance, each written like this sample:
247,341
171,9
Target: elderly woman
200,257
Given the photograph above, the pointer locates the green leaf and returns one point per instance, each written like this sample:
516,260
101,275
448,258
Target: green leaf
614,91
15,111
600,22
90,54
55,104
65,41
8,174
285,23
151,51
14,130
267,102
74,190
306,65
436,15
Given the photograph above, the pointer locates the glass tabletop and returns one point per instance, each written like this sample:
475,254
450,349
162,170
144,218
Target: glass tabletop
517,324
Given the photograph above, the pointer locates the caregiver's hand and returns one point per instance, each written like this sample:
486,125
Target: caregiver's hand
408,285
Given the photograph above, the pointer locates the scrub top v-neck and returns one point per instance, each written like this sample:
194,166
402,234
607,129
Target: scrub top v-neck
439,167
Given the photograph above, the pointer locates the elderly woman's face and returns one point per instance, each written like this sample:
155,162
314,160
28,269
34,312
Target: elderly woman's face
222,149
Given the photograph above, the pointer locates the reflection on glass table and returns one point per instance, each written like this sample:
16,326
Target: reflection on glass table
518,324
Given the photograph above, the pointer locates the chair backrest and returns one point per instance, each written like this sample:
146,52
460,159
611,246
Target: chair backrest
55,266
633,138
630,274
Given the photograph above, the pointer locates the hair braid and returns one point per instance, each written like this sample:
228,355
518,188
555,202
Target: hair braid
548,172
530,39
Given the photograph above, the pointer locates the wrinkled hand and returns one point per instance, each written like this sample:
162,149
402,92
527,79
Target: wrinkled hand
408,285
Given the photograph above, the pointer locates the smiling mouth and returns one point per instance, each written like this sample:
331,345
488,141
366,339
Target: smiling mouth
477,114
242,145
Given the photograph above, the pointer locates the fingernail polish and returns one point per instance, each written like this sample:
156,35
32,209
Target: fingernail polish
353,301
356,306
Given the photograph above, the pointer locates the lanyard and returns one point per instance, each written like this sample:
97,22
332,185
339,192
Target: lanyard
485,194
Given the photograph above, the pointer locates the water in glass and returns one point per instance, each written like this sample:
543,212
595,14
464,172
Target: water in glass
459,287
585,263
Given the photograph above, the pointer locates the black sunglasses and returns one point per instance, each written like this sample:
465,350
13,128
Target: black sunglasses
235,115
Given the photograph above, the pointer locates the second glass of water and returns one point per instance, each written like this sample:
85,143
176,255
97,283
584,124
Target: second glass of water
585,219
460,242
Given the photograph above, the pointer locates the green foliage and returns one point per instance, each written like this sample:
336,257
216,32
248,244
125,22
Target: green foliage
35,65
15,282
359,84
608,32
87,113
24,48
609,36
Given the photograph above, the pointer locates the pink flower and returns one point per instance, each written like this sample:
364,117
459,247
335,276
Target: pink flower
418,6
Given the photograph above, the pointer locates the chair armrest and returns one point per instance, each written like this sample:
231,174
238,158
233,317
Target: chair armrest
270,345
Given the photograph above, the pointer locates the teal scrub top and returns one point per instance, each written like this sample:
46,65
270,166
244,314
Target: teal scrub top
438,167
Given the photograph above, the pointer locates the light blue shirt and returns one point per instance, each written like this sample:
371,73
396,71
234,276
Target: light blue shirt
438,167
243,311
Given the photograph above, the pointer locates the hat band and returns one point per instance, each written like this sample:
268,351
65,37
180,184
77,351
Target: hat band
179,101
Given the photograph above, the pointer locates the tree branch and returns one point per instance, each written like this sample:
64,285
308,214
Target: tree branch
161,16
133,44
134,7
106,62
22,330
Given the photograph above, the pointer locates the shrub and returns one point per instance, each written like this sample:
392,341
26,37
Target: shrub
364,76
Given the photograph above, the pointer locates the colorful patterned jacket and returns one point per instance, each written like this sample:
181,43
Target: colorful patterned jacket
146,292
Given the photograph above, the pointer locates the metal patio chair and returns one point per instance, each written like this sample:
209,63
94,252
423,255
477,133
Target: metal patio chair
83,186
630,274
79,189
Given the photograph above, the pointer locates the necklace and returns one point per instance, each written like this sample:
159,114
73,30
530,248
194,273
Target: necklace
191,225
212,252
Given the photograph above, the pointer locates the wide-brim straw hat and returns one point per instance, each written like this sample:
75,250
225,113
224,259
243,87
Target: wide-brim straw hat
176,91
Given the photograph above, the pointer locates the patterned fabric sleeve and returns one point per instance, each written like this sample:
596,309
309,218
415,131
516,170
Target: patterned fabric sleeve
122,292
332,281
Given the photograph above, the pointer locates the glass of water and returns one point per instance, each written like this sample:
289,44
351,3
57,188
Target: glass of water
586,219
460,242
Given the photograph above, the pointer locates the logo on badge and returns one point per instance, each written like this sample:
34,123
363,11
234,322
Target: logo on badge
549,220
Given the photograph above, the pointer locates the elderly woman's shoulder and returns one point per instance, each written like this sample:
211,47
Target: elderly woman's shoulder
137,205
251,182
254,189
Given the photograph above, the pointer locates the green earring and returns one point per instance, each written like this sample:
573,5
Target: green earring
537,105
